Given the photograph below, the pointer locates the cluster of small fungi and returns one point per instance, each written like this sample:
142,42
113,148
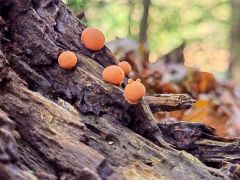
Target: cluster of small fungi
94,40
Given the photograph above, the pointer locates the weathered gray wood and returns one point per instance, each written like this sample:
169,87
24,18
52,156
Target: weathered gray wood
169,102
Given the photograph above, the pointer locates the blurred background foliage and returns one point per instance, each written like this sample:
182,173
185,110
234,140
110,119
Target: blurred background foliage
204,25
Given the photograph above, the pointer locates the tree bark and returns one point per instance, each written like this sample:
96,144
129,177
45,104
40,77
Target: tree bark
144,22
130,11
73,125
235,41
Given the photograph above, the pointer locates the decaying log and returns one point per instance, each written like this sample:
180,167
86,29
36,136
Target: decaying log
169,102
202,142
39,35
73,125
9,151
58,141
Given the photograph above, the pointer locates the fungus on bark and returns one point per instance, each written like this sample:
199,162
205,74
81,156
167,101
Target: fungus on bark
134,91
93,39
126,67
67,60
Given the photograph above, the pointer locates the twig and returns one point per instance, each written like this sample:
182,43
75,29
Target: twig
169,102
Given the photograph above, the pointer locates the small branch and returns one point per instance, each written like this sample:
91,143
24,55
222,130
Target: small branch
169,102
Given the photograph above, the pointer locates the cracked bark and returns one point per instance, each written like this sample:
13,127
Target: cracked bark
72,125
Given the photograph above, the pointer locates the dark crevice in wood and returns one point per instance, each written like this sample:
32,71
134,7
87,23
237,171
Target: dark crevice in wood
37,159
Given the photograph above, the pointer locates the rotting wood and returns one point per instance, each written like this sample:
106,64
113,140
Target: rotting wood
169,102
59,143
73,113
202,142
9,151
